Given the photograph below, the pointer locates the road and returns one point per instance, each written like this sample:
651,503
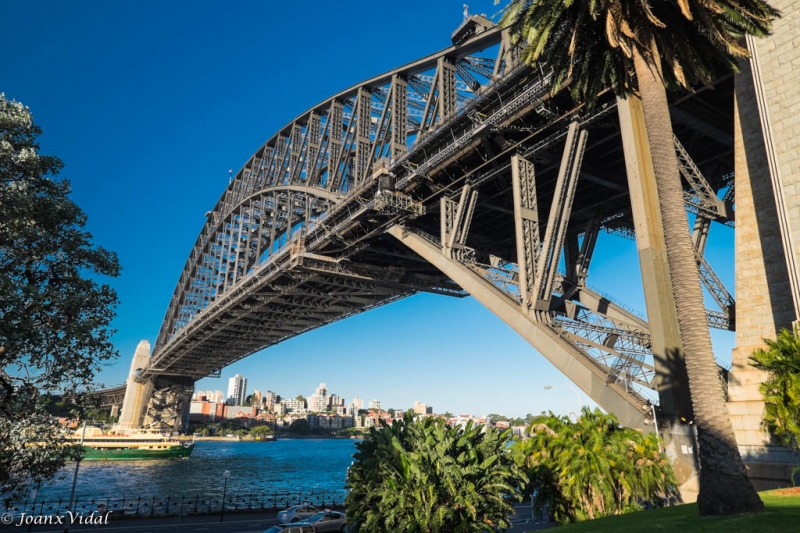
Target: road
233,523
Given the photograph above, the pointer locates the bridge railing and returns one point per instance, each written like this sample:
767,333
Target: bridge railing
142,506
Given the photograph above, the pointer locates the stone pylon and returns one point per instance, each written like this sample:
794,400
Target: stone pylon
767,168
137,395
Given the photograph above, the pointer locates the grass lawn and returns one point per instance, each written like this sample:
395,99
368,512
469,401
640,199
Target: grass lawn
781,513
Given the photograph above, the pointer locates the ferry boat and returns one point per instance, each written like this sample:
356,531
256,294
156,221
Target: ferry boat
136,444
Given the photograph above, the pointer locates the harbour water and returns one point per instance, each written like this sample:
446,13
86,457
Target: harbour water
288,465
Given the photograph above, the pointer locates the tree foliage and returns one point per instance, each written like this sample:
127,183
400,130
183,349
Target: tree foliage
591,43
54,315
781,390
299,426
593,467
426,475
260,431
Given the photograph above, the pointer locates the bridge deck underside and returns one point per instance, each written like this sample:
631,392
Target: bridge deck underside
306,296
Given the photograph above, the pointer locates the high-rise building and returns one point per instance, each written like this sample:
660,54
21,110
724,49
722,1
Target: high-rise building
375,404
357,404
422,409
258,397
335,402
270,399
318,402
237,390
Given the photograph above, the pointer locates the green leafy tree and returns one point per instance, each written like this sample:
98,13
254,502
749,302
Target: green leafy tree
426,475
260,431
300,427
593,467
639,49
54,315
781,390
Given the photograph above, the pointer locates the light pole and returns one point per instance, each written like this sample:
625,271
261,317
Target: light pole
577,396
75,477
655,420
225,475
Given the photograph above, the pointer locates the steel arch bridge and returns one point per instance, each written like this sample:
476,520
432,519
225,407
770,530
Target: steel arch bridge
457,174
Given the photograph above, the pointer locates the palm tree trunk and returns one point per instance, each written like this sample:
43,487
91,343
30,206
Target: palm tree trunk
724,485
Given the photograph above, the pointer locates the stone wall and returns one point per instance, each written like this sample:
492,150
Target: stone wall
767,225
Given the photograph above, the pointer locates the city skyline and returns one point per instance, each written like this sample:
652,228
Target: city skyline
148,128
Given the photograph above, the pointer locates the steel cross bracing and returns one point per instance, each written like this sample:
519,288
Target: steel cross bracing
337,213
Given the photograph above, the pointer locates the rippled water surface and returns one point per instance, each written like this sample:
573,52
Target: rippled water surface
255,467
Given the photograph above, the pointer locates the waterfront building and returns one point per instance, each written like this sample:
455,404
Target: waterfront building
292,405
205,411
237,390
240,411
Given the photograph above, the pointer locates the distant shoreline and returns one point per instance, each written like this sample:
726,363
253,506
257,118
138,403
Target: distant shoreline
251,439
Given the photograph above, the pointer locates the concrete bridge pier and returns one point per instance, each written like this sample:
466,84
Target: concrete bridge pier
136,394
160,403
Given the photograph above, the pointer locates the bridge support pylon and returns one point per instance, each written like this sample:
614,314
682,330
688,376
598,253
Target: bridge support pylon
136,394
672,383
160,403
764,290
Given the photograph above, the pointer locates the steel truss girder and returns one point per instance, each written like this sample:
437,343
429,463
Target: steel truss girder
704,201
582,370
456,221
560,210
526,226
380,277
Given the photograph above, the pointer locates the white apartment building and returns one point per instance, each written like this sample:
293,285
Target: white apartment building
237,390
292,405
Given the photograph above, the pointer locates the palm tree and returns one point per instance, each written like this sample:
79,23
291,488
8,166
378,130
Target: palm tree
629,44
781,391
593,467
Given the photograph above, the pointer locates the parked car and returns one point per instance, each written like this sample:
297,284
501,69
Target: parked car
297,527
328,520
296,513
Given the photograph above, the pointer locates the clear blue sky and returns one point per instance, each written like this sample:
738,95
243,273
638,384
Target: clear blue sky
150,103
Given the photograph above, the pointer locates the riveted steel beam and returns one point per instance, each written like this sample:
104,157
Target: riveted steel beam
526,226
